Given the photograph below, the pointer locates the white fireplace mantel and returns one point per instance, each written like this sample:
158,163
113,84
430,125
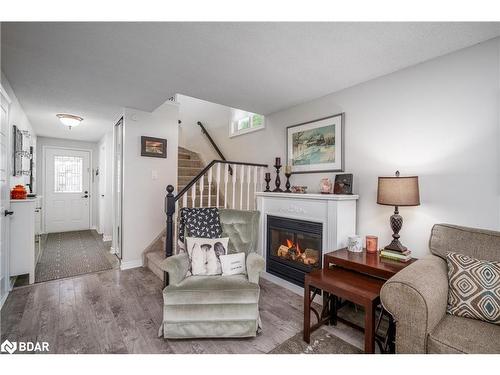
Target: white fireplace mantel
337,214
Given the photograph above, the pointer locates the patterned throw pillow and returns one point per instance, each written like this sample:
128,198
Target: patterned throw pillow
474,288
204,255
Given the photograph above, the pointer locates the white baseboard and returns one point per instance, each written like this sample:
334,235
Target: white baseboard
125,265
107,237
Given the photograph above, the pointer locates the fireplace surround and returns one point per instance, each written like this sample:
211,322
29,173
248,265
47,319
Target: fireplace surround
294,247
334,214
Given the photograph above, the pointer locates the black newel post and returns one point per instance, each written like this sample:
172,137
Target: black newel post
169,241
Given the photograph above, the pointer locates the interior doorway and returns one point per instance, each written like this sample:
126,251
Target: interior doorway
118,189
4,196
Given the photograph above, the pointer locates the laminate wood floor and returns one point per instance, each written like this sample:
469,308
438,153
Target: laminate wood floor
120,311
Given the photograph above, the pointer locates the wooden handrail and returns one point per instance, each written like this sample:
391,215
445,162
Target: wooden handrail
214,145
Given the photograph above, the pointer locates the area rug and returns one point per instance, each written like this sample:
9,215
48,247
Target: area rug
70,254
322,342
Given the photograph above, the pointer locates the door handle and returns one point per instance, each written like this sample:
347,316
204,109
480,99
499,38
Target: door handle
85,196
7,213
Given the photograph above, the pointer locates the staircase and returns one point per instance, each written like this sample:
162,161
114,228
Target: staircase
189,166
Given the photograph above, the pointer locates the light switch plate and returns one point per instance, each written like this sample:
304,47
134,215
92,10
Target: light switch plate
154,175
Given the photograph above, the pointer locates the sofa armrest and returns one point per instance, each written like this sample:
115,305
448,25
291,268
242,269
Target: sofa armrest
416,297
255,265
176,266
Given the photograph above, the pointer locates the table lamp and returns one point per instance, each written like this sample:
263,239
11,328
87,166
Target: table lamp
397,191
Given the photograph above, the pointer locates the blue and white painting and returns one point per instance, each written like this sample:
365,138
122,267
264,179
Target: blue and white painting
316,146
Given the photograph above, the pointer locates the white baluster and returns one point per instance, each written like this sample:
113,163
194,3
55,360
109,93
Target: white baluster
255,177
242,179
209,177
217,178
226,179
193,195
185,200
175,226
202,185
249,178
234,186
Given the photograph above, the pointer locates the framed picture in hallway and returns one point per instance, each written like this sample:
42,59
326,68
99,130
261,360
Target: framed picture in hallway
153,147
316,146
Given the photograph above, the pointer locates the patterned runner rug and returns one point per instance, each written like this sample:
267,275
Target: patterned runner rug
70,254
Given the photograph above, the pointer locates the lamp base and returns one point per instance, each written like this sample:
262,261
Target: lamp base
396,225
395,245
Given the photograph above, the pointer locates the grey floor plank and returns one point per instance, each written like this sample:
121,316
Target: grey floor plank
120,312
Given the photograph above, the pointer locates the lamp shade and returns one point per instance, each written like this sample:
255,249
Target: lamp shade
398,191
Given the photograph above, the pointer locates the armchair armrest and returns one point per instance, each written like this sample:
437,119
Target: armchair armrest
176,266
416,297
255,265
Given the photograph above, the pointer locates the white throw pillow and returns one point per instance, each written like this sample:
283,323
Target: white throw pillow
233,264
204,254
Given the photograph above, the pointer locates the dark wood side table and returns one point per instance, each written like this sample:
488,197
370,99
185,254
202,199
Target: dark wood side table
369,264
356,277
339,283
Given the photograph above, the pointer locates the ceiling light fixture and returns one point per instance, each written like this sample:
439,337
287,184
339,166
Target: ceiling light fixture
69,120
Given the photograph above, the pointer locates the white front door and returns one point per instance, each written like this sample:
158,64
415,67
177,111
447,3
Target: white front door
4,197
67,190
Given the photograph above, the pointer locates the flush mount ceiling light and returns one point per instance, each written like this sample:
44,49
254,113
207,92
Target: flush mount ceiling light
69,120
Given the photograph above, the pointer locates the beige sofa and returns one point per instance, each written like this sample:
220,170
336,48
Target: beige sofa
417,297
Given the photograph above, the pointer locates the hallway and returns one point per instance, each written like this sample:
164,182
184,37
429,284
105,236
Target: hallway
73,253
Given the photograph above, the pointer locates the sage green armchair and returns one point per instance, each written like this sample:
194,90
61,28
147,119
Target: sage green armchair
216,306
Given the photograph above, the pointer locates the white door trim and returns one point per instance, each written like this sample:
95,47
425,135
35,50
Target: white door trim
44,178
5,103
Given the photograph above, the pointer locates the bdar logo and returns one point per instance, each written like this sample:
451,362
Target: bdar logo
9,347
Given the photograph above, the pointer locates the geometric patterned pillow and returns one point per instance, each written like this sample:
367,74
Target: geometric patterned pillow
474,288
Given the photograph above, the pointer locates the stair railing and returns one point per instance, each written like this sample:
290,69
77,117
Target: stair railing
214,145
242,187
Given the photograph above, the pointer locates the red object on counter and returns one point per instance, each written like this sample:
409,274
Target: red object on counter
371,244
18,192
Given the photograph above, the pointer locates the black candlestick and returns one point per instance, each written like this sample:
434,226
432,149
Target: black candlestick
268,180
277,182
287,185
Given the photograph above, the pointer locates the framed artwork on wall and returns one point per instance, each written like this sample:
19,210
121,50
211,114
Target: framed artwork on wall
316,146
153,147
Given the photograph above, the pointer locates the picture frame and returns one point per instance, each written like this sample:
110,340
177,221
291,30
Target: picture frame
343,184
153,147
317,145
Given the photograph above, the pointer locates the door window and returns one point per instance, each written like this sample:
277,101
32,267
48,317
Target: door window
68,174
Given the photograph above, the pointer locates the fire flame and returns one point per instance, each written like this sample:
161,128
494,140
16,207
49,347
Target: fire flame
290,244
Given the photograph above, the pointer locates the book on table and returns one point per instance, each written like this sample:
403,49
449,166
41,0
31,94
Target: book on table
395,255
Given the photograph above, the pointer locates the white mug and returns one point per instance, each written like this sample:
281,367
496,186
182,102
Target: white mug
355,244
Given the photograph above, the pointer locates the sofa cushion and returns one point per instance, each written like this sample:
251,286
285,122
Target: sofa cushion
462,335
474,288
477,243
196,290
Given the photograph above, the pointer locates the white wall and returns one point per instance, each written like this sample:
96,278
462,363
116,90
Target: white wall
143,206
18,117
214,117
58,142
438,120
106,178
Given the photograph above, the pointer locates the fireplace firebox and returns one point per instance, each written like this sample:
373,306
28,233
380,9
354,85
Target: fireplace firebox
294,248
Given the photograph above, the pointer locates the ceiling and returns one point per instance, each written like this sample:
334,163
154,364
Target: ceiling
94,69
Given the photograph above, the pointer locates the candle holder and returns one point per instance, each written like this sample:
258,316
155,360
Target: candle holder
287,185
277,182
268,180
